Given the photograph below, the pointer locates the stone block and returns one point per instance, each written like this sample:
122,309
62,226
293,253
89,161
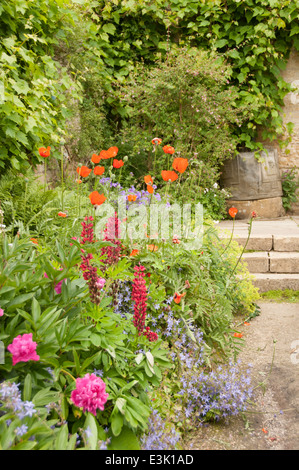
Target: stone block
286,243
257,262
287,262
266,208
273,281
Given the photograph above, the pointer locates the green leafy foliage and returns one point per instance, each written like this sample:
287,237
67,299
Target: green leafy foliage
35,88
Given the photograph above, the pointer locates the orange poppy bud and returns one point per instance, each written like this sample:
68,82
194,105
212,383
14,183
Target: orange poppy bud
44,152
83,171
169,175
117,163
96,199
99,170
233,212
180,164
168,149
79,181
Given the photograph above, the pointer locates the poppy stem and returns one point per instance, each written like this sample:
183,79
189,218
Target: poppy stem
62,181
45,177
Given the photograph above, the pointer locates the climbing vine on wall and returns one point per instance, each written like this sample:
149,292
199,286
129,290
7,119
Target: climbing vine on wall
255,37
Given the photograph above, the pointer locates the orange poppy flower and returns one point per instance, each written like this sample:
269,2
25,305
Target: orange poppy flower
95,158
44,152
34,240
152,247
150,189
96,199
168,149
99,170
176,241
132,197
156,141
83,171
148,179
62,214
177,297
238,335
246,323
169,175
113,151
180,164
233,212
117,163
134,253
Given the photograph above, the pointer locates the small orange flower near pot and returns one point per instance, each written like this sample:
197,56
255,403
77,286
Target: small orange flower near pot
98,170
96,198
180,164
44,152
168,149
83,171
169,175
233,212
117,163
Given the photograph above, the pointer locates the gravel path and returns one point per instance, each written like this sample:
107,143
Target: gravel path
272,347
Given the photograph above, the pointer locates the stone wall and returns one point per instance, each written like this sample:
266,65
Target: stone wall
291,114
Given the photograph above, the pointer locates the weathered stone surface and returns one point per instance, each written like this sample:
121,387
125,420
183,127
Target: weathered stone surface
266,208
287,262
256,243
273,281
257,262
286,243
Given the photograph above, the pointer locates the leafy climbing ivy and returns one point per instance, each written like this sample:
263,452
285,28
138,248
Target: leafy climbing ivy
33,86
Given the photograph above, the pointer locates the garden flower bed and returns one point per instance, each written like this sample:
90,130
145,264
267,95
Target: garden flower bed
113,341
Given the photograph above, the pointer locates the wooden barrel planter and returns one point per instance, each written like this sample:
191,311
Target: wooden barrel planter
255,185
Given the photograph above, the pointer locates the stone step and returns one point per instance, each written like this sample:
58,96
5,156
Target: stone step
273,262
257,262
274,281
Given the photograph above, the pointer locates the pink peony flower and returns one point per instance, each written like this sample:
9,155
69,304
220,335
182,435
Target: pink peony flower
23,349
1,312
90,393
